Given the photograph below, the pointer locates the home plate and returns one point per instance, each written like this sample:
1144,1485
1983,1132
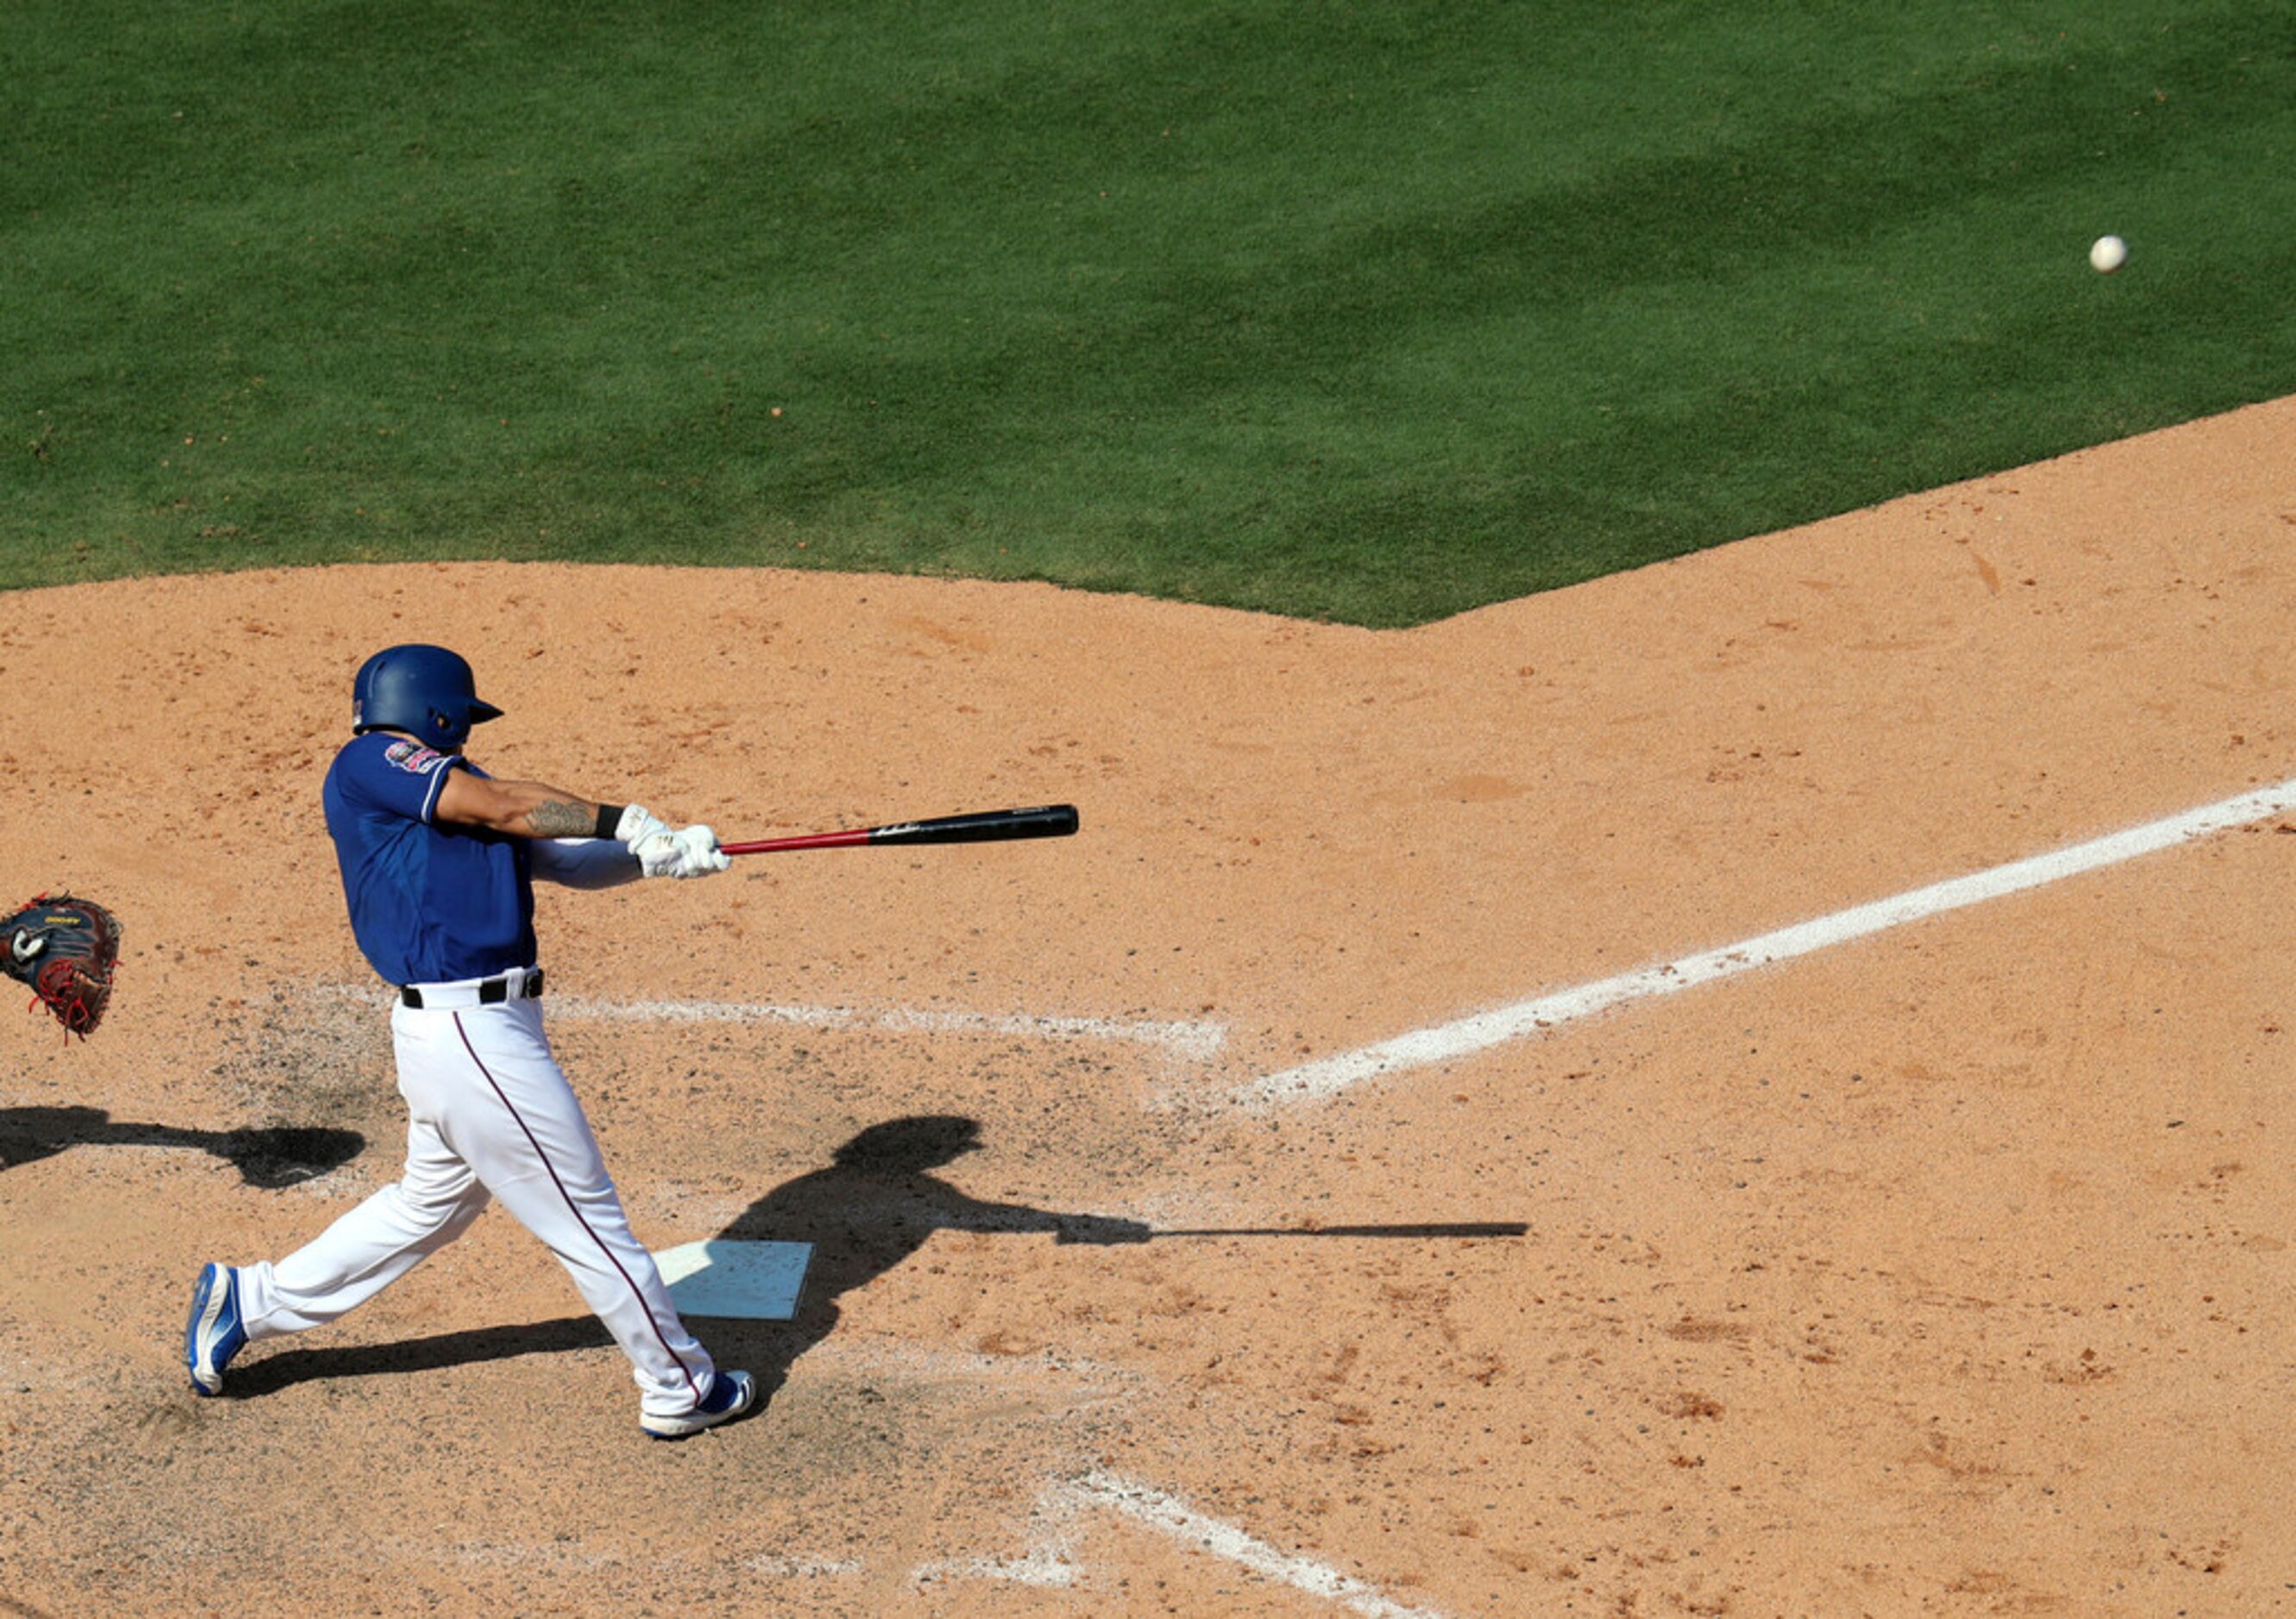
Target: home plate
748,1281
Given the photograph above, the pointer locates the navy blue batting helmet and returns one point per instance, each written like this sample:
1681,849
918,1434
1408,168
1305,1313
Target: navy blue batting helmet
424,691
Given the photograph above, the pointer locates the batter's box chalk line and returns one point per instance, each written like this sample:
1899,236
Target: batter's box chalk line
1326,1077
1178,1041
1052,1560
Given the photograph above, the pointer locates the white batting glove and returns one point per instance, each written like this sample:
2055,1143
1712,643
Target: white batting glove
698,854
689,851
638,823
658,854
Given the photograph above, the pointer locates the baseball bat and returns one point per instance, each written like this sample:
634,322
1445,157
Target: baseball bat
984,826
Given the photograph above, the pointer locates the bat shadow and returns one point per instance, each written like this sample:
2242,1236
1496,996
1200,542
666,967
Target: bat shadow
267,1158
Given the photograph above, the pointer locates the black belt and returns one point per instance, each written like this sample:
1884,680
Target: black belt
492,992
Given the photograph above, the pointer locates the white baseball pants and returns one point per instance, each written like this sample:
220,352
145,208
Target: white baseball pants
489,1114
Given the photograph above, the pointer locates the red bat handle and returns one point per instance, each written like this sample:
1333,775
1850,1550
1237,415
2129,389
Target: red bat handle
811,840
988,826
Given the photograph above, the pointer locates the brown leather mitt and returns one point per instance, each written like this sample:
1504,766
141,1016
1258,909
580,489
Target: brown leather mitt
65,948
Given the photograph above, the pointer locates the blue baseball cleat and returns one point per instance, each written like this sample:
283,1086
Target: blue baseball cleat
214,1334
730,1396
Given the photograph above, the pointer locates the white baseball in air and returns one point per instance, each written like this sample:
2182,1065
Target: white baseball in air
2108,253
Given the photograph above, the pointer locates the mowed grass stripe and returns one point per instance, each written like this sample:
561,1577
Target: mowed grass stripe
1370,316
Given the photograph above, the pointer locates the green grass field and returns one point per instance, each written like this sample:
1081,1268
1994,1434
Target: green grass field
1364,312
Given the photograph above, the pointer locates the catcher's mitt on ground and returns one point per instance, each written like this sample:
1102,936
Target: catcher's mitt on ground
64,948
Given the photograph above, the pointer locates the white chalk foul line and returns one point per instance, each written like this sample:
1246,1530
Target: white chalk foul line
1328,1076
1169,1515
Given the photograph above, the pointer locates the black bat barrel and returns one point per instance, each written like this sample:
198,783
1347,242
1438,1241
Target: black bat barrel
989,826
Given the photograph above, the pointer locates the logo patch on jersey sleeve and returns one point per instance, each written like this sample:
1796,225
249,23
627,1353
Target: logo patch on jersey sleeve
414,757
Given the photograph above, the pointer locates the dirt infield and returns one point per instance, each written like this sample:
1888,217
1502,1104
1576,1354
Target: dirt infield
1941,1271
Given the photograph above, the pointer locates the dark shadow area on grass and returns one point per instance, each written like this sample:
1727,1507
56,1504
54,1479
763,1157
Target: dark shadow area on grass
265,1158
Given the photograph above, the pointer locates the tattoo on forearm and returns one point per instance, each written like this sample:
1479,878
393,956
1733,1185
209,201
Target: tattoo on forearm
554,818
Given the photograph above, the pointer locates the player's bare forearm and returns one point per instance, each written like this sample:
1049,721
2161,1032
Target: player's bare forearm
519,808
561,817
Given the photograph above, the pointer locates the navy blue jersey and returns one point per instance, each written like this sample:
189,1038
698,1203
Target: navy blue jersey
428,903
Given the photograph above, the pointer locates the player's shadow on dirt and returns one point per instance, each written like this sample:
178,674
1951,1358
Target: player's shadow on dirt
871,1209
269,1159
878,1201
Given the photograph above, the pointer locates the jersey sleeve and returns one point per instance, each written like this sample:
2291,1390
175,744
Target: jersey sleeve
586,863
397,775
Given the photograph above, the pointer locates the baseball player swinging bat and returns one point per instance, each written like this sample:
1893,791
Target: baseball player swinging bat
985,827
